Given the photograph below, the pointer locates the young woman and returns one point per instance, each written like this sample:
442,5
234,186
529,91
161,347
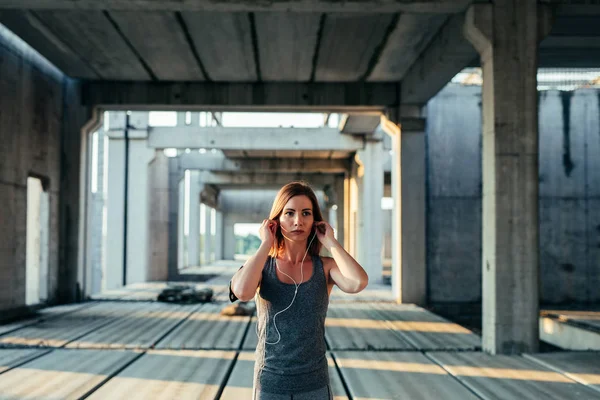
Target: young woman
291,284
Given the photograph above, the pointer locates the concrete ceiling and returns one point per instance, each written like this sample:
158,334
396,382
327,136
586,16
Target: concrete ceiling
416,42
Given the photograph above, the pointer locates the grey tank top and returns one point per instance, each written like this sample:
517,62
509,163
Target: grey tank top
298,363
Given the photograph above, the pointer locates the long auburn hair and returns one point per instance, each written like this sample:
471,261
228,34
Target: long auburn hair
290,190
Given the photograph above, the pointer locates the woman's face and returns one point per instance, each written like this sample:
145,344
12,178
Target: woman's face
297,218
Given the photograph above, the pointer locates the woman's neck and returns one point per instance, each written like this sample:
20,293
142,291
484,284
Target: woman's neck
294,252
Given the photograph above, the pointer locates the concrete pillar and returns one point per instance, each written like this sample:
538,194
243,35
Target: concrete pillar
506,35
207,248
341,209
139,157
158,218
219,234
180,226
229,236
353,193
370,226
193,243
409,268
175,218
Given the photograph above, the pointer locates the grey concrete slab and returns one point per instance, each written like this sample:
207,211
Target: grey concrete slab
43,315
62,374
510,377
425,330
9,358
348,42
205,328
582,318
405,43
360,327
139,329
568,334
239,385
62,329
224,43
583,367
166,374
164,47
29,28
86,33
286,45
397,375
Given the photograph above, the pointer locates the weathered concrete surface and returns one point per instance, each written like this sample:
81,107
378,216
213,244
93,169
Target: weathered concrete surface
235,95
158,218
410,36
164,47
355,39
388,6
277,35
224,44
454,195
510,224
28,147
568,203
447,54
569,187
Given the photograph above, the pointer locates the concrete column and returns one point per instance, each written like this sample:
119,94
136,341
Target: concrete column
180,226
370,227
341,209
219,235
409,268
175,218
506,35
158,218
207,235
353,192
193,243
229,236
140,155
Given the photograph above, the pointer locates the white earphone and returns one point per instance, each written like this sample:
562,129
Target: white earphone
296,285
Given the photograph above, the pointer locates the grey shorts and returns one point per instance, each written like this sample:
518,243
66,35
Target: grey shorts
320,394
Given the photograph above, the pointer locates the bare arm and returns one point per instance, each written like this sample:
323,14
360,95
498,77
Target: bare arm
246,280
344,271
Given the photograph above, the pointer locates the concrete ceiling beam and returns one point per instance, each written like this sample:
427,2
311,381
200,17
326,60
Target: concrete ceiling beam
241,180
218,162
283,96
447,54
381,6
249,139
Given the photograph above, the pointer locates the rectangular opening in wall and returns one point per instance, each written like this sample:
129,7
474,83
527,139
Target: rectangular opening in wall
37,246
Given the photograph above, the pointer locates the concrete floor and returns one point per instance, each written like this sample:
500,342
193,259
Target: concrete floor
124,345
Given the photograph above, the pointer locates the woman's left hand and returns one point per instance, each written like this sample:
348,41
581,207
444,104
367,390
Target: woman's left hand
325,234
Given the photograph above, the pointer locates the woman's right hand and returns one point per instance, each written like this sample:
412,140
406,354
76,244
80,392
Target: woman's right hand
267,232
